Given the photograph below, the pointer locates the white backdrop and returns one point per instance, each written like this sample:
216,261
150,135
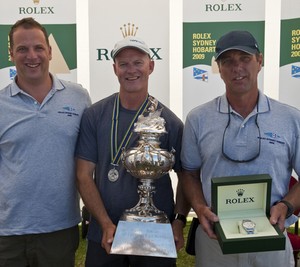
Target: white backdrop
272,41
202,28
151,23
289,85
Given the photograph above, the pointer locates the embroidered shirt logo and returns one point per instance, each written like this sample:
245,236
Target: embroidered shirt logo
272,138
69,111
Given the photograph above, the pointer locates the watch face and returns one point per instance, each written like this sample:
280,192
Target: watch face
248,224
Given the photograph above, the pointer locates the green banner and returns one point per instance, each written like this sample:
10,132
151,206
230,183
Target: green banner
290,41
64,35
199,38
4,55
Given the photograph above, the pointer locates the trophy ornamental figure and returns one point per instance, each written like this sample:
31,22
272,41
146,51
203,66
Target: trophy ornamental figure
148,162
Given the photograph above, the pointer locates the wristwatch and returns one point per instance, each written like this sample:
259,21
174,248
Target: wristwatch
249,226
181,218
290,209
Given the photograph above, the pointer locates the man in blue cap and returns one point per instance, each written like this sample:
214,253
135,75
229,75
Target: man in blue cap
242,132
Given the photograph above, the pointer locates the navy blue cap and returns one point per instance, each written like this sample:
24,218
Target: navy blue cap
237,40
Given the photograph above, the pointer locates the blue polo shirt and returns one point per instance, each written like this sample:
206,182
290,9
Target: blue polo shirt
37,172
275,125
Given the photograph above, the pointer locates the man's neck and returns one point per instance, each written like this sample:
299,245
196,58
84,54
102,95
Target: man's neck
132,101
38,90
243,104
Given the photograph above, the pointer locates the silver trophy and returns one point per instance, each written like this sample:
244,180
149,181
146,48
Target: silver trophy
144,229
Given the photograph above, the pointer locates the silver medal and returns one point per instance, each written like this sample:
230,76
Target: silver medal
113,175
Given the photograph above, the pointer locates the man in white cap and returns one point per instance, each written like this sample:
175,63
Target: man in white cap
242,132
107,189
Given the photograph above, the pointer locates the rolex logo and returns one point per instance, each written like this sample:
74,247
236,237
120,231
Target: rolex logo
36,2
240,192
128,30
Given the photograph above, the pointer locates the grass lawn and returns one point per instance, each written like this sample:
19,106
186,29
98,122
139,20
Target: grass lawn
183,260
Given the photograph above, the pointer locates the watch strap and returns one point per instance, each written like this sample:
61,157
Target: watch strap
180,217
290,210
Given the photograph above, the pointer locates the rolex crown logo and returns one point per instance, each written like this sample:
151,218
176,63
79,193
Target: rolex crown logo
240,192
128,30
36,2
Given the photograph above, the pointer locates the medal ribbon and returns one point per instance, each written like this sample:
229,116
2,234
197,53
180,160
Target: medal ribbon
115,149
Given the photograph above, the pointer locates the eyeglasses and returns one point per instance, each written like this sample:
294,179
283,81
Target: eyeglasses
254,144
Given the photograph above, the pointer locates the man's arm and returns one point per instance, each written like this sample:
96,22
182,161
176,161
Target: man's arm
290,203
193,191
92,200
182,208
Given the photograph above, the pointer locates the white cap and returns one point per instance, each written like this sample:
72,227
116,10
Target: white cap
130,42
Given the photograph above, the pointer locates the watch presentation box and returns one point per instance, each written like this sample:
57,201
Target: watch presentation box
242,204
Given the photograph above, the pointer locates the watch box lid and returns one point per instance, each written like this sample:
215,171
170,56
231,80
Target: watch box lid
238,194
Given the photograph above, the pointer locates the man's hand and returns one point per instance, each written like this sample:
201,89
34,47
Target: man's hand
177,227
278,215
108,237
207,219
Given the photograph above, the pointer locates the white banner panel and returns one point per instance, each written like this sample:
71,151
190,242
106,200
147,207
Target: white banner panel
59,19
204,22
289,82
152,21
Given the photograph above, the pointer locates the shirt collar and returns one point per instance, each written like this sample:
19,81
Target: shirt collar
56,86
263,103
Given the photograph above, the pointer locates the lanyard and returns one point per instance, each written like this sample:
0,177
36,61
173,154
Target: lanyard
114,148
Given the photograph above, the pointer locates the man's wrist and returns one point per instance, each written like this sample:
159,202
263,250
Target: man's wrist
290,208
180,217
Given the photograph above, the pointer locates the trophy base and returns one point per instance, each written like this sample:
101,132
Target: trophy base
144,239
134,216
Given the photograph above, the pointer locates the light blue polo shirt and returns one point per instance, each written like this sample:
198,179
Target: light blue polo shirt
37,172
278,134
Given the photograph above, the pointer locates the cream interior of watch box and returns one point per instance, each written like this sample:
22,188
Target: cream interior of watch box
240,202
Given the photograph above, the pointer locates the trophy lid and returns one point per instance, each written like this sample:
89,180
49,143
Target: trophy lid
153,123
